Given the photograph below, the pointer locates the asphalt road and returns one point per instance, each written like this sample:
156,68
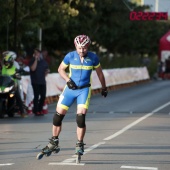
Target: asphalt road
130,129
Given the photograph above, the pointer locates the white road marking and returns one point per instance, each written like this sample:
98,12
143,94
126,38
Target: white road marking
7,164
65,163
93,147
128,127
138,167
161,107
135,122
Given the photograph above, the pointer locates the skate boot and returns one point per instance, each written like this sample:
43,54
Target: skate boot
79,151
51,147
80,148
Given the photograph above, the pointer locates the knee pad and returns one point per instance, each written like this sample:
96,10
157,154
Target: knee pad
57,119
81,120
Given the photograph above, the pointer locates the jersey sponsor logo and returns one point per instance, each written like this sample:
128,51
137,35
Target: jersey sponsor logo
87,59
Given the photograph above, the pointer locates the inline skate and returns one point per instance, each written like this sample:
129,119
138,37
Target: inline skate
51,147
79,151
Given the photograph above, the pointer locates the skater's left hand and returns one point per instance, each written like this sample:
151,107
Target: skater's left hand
104,92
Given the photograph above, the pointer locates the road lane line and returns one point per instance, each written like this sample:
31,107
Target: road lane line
138,167
161,107
136,122
128,127
93,147
7,164
65,163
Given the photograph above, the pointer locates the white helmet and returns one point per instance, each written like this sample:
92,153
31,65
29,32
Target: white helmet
10,53
82,40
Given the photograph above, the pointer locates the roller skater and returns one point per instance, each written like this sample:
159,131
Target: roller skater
51,147
81,63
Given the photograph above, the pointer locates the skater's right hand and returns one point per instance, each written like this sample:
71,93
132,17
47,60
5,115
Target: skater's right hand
71,84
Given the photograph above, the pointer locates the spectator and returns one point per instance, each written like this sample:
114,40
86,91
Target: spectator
38,71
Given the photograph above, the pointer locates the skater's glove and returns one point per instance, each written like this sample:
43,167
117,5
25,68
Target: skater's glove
104,92
71,84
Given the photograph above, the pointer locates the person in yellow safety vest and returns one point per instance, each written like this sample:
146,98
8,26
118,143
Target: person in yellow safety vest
16,64
8,68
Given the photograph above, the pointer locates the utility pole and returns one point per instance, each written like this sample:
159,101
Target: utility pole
15,26
7,33
156,5
40,38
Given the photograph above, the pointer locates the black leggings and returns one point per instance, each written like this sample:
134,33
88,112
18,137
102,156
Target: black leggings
39,96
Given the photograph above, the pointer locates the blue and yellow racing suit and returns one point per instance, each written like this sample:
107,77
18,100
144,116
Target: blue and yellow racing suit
80,73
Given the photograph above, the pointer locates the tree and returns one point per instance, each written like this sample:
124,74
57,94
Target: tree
31,15
106,22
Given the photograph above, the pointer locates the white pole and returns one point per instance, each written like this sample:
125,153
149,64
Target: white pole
142,2
156,5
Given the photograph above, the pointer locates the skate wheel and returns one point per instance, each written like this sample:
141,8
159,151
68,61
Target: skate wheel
57,150
40,156
48,154
78,158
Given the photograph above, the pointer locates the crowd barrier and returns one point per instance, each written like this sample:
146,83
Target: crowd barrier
115,78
